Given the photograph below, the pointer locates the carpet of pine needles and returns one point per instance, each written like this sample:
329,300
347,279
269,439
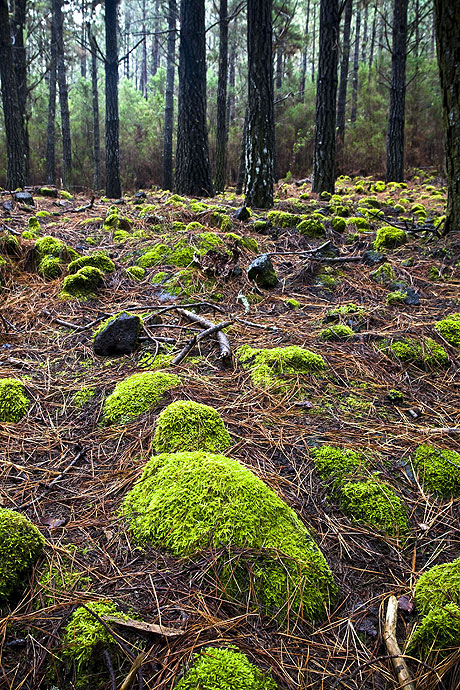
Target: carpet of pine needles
69,475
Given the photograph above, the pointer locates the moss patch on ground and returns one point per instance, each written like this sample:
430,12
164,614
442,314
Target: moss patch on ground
438,469
188,425
271,365
13,401
135,395
427,354
374,503
20,546
450,329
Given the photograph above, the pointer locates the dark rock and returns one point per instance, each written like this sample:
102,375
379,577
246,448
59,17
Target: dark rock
7,206
242,214
24,198
412,297
372,258
48,191
261,270
140,195
119,337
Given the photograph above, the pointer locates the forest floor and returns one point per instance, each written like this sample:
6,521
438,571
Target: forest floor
69,474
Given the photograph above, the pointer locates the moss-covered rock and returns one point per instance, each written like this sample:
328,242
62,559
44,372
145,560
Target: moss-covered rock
271,365
345,312
374,503
51,246
9,244
311,227
13,401
450,329
20,546
337,332
185,502
188,425
98,260
83,284
154,256
224,669
50,267
389,237
282,219
135,273
438,469
427,354
358,222
135,395
336,464
383,275
338,223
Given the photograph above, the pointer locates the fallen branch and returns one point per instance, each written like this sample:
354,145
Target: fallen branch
144,627
196,338
224,344
86,207
303,251
389,636
134,670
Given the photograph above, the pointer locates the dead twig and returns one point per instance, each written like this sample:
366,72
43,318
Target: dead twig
144,627
224,343
389,637
196,338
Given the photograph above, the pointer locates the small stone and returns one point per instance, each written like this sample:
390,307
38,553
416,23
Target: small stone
141,195
242,214
411,296
372,258
119,337
24,198
261,270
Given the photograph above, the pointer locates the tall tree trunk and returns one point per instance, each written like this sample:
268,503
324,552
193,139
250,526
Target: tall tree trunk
365,30
303,74
15,175
447,26
279,66
127,40
20,68
354,93
222,126
242,163
372,46
169,98
83,37
193,172
63,95
50,136
260,140
396,116
112,150
326,95
143,81
342,97
96,132
231,80
156,40
313,57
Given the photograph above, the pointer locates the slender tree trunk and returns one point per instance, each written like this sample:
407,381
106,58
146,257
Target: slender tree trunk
313,58
447,26
231,81
260,140
96,133
156,40
304,56
15,176
169,98
51,138
242,163
63,95
222,126
20,68
342,98
143,81
112,150
127,41
354,94
193,172
365,30
83,37
279,66
326,95
396,116
372,46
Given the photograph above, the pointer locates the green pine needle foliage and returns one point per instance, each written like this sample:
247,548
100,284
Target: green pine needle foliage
20,545
13,401
188,425
135,395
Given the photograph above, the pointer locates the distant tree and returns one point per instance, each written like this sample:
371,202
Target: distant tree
112,147
20,67
342,96
260,140
95,103
354,86
58,19
447,25
50,134
193,171
222,124
326,94
169,97
15,176
397,110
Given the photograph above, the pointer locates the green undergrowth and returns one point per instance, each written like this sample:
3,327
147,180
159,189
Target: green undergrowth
21,544
135,395
186,425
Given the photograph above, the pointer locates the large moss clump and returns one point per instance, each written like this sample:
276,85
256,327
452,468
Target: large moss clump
427,354
437,595
185,502
439,469
83,284
450,329
51,254
338,463
135,395
389,237
224,669
13,401
374,503
283,219
337,332
20,545
188,425
268,365
98,260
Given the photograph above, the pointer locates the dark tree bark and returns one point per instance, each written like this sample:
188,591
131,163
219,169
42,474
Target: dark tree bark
143,79
20,68
326,95
50,135
222,123
242,162
193,172
260,140
396,116
63,94
365,30
447,26
231,80
342,97
15,176
127,41
354,93
156,41
313,57
96,132
112,150
83,37
303,74
169,98
374,29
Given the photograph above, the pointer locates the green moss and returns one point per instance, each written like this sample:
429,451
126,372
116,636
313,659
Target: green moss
389,237
383,275
121,236
20,546
439,469
395,396
98,260
51,246
154,256
135,272
345,311
224,669
438,586
13,401
449,329
437,635
33,224
225,504
396,297
60,581
427,354
338,224
82,284
261,225
282,219
292,303
337,463
326,280
187,425
337,332
340,210
159,278
83,397
358,222
65,195
246,242
135,395
267,365
376,504
379,186
42,214
220,220
50,267
9,244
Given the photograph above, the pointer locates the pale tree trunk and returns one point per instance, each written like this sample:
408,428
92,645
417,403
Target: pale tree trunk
303,74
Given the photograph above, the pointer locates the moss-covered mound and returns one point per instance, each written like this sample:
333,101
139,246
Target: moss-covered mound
389,237
338,463
427,354
83,284
20,545
450,329
438,469
269,365
98,260
188,425
437,594
337,332
51,254
185,502
374,503
383,275
13,401
224,669
311,227
282,219
135,395
344,312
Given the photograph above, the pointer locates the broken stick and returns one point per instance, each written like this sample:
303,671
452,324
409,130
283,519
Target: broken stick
389,636
224,344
